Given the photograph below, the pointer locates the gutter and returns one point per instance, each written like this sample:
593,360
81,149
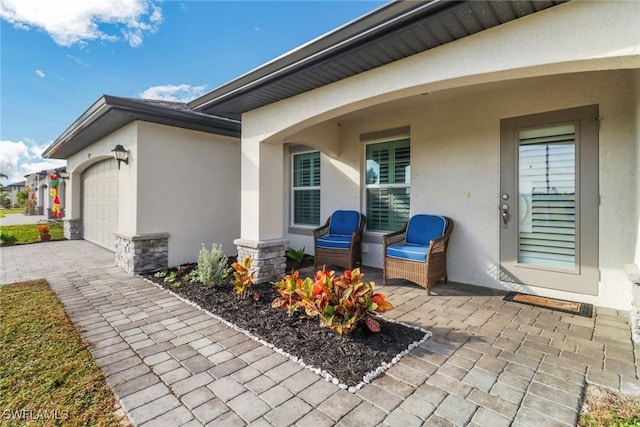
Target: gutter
146,112
97,110
358,32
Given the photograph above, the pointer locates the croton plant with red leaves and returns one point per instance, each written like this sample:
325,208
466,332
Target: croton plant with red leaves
242,276
339,303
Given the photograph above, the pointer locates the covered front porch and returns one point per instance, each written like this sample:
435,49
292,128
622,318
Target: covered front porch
454,141
318,122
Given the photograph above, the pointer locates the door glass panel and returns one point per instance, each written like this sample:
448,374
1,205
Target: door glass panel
547,197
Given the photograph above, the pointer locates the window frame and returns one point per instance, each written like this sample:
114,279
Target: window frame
366,186
294,189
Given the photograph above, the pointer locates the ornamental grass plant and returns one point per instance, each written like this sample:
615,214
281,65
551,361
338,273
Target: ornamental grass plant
213,267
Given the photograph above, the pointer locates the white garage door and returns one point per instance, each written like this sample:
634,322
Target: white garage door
100,203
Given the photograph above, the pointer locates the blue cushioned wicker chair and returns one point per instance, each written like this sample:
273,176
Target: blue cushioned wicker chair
338,241
418,252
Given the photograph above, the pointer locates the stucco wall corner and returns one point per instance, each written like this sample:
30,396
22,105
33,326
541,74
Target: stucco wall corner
633,274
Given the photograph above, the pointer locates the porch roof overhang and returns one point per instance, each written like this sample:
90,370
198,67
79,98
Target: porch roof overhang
110,113
392,32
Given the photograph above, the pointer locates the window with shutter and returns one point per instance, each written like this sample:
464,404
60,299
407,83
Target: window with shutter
387,183
305,188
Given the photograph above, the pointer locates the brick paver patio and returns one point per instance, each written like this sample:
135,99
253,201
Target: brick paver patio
488,363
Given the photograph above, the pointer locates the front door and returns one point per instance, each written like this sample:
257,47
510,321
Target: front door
549,199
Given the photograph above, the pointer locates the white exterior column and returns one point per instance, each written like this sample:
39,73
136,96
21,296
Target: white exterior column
261,229
71,221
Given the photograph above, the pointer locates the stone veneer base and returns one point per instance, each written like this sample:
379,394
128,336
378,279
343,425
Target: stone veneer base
137,253
269,260
72,228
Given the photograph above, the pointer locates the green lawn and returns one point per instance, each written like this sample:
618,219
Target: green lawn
4,212
47,375
29,233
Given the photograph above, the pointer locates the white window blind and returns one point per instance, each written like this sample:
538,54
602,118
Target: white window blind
387,182
547,197
306,188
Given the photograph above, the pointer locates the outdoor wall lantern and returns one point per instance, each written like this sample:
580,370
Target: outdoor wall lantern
64,175
121,155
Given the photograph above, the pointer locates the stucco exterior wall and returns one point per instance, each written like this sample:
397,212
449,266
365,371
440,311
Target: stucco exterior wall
188,186
455,149
101,150
636,96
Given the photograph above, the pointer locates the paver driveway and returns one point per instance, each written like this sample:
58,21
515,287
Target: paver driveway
488,363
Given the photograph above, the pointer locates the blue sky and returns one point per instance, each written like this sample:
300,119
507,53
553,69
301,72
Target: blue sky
58,57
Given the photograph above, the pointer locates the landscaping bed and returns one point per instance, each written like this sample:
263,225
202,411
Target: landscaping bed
348,358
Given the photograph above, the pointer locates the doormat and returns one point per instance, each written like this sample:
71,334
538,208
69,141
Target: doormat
577,308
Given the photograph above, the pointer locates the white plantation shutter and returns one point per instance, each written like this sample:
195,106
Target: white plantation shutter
388,178
306,188
547,187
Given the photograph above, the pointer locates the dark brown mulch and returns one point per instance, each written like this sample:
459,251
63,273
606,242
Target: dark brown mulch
348,358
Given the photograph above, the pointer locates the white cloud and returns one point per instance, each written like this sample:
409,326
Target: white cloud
40,73
180,93
70,22
78,61
20,158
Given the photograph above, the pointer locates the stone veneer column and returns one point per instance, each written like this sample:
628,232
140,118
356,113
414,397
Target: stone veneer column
142,252
72,228
269,261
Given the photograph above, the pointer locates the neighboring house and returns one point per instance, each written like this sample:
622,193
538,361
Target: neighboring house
38,184
13,190
518,120
177,190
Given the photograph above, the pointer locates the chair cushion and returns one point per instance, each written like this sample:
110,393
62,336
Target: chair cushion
408,251
423,228
344,223
334,242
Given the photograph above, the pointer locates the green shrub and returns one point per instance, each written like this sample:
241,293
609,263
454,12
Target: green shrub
213,266
7,239
298,255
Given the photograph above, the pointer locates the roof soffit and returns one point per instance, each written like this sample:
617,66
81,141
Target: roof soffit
404,29
110,113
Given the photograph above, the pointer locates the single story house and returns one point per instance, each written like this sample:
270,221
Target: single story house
12,190
176,183
518,120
